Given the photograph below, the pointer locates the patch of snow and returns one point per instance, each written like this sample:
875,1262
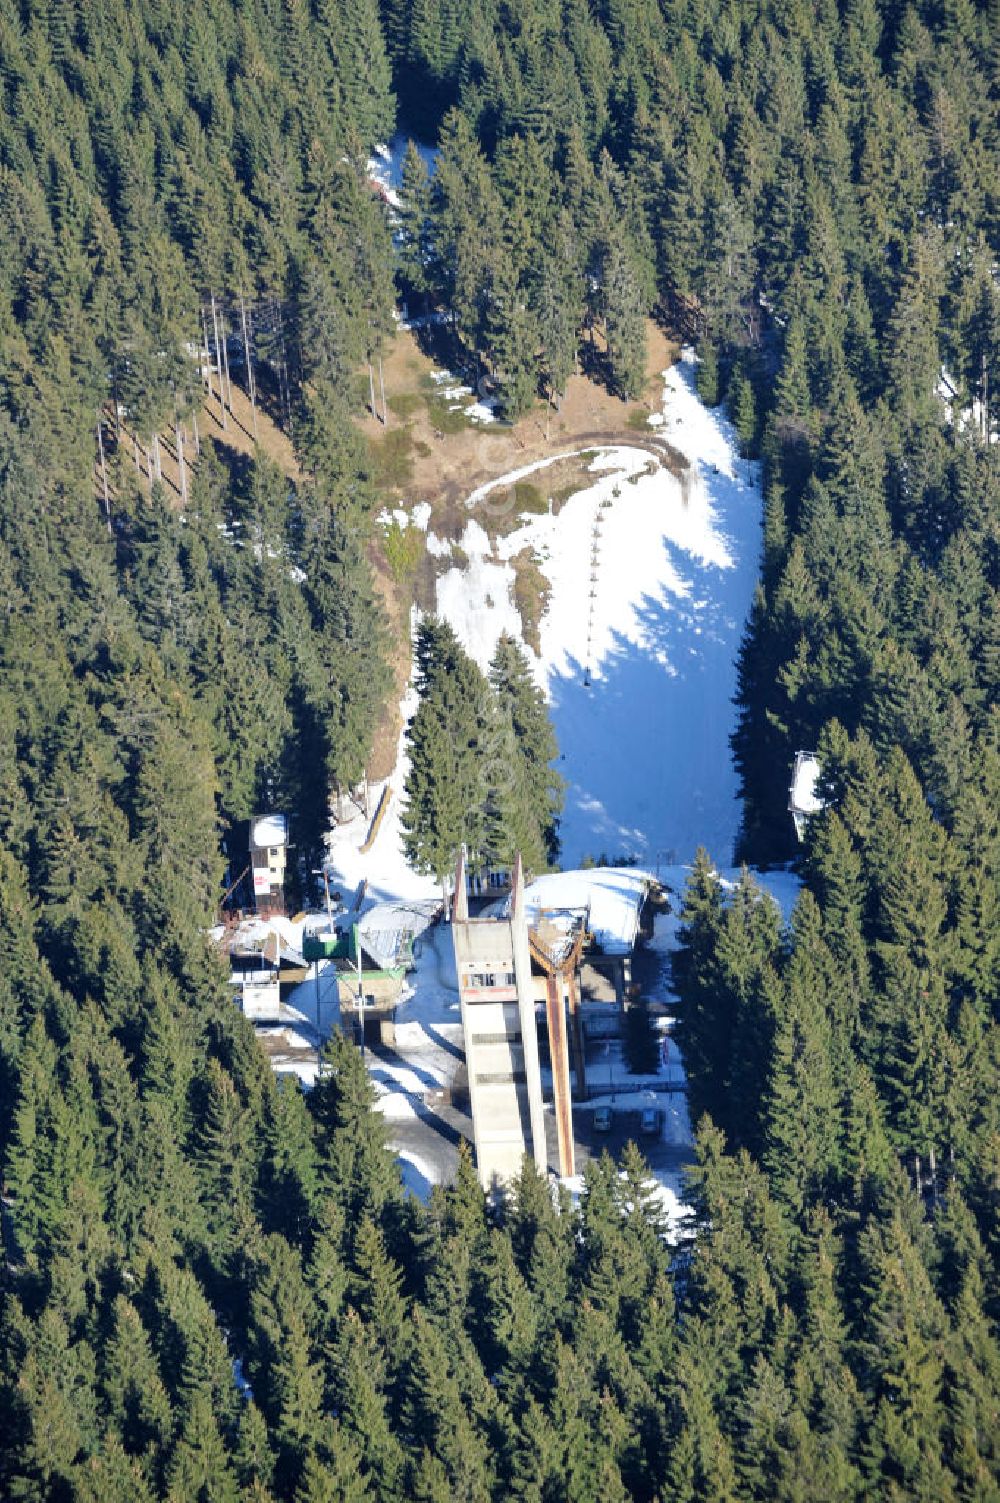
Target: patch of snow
385,165
423,321
610,1082
640,678
457,394
421,515
253,933
243,1387
418,1174
476,541
439,547
665,1190
612,897
292,1039
780,885
307,1070
505,481
479,623
270,829
974,415
397,517
384,867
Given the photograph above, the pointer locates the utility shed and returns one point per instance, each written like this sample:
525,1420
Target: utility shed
257,988
803,801
263,956
388,931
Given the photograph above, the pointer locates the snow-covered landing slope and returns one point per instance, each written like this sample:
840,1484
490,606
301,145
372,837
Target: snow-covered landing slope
651,582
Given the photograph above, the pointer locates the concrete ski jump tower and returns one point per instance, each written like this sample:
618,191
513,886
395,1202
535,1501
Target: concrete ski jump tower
493,961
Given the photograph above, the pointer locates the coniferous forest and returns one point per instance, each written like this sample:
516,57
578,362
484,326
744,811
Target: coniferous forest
811,194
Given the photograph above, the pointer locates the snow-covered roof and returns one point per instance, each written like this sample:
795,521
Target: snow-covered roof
269,829
802,796
387,930
611,898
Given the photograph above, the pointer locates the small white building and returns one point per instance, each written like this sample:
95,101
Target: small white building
803,800
256,986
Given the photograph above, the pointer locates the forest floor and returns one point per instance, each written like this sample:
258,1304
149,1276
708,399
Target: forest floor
232,431
429,450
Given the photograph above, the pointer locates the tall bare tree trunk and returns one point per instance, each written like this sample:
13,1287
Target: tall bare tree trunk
986,402
181,473
197,435
104,472
381,384
218,363
371,389
246,354
283,384
114,398
208,352
225,357
157,464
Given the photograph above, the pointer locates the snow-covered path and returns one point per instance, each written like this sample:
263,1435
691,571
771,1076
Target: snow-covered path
646,743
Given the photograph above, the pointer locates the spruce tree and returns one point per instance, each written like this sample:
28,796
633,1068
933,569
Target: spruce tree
445,787
533,788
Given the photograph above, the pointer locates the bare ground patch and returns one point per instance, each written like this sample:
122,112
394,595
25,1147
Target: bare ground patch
445,466
130,456
531,595
395,601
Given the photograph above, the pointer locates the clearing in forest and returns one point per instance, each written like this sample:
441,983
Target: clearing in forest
428,450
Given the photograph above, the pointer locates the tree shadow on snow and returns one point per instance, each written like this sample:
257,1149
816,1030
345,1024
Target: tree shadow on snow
645,738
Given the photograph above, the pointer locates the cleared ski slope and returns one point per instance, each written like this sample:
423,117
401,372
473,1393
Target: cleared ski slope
651,582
